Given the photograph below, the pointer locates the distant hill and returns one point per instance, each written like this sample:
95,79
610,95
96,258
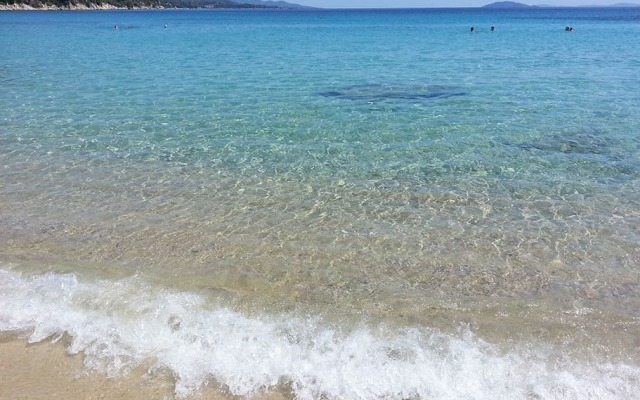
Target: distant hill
507,4
78,4
137,4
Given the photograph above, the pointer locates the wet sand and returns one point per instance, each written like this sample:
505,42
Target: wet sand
46,371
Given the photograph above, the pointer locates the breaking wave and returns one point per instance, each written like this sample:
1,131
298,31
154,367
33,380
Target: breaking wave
120,324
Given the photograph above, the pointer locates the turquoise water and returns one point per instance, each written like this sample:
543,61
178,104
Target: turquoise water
253,198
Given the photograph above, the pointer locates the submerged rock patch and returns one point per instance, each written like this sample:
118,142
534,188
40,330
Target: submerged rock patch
389,92
573,143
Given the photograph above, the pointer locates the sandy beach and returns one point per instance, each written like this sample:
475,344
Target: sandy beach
46,371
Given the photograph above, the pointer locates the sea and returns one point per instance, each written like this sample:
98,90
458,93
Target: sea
327,204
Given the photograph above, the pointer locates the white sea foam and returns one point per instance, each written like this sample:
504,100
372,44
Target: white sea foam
120,324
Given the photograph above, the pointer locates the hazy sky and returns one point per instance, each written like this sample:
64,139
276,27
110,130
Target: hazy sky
439,3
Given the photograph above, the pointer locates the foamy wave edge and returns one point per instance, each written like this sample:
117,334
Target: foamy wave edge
120,324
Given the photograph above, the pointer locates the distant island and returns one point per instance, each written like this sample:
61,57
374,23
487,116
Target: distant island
513,4
141,4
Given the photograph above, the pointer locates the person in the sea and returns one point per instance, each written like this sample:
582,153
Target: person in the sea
472,29
493,28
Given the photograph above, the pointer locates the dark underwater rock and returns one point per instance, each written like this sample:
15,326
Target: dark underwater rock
572,143
393,92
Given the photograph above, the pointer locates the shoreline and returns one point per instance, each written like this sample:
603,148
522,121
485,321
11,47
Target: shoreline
45,370
118,5
75,7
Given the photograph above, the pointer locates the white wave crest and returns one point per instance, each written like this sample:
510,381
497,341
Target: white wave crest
120,324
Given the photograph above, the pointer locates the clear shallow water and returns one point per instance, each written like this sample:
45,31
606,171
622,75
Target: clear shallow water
256,197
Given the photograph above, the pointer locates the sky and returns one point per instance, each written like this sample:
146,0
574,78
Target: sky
441,3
